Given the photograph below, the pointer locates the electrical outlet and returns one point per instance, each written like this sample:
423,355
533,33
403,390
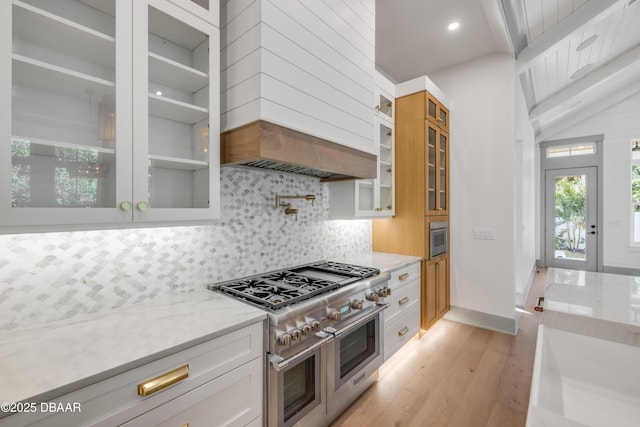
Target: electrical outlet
484,233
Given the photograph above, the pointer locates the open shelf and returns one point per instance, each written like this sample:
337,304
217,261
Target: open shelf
166,162
45,147
173,74
178,111
48,30
51,78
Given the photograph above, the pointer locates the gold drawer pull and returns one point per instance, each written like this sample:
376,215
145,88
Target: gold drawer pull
404,276
163,381
403,301
185,425
403,331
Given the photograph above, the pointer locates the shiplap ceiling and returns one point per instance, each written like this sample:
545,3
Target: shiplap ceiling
575,58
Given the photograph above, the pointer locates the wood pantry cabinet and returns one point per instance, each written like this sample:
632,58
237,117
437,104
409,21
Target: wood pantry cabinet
422,184
110,105
218,382
435,295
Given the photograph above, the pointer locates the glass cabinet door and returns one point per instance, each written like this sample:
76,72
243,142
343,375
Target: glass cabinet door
431,154
64,132
443,177
385,170
436,171
176,132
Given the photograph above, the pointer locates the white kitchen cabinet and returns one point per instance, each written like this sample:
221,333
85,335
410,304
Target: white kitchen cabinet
371,198
402,318
224,387
110,106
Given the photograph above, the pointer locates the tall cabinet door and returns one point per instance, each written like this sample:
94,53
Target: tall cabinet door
176,113
65,111
436,170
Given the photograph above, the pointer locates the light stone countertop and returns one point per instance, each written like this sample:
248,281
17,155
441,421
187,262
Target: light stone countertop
41,363
383,261
602,305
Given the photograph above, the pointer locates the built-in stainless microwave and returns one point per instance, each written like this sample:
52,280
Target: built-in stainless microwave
438,238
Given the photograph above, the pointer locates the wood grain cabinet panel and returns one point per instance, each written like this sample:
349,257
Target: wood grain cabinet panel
422,195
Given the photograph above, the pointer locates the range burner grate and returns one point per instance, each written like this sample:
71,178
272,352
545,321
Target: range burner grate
277,290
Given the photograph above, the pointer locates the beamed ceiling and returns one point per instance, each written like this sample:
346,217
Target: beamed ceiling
574,58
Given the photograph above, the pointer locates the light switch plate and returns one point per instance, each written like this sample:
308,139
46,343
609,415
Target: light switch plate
484,233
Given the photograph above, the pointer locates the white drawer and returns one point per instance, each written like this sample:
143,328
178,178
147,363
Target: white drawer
402,299
233,399
404,275
115,400
401,330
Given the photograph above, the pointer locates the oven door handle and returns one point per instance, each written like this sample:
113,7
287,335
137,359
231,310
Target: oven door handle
380,308
279,364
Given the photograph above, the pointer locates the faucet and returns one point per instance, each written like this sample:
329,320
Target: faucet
288,210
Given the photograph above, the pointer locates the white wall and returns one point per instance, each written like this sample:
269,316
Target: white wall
619,125
525,198
482,182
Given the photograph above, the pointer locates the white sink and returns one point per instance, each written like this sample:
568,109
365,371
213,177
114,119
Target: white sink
580,380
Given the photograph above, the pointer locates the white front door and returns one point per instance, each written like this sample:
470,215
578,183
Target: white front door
571,232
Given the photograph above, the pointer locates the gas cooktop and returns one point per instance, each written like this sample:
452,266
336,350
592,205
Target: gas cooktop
281,288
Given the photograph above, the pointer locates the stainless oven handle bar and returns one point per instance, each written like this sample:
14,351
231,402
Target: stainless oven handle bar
370,315
279,364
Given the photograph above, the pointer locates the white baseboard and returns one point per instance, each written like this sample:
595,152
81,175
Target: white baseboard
483,320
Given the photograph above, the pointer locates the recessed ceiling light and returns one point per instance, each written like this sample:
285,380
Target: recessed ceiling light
159,93
588,42
581,71
454,26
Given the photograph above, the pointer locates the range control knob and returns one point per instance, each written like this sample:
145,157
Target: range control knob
284,339
296,334
306,329
334,315
356,305
372,297
315,325
384,292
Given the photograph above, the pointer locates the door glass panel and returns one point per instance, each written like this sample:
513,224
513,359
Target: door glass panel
570,217
431,169
63,104
178,113
357,347
365,195
442,166
443,117
385,106
299,386
385,174
431,108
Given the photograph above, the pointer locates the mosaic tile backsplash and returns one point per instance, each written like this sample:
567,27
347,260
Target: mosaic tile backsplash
55,276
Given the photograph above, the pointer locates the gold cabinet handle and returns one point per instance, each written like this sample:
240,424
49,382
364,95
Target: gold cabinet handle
185,425
163,381
404,276
403,331
403,301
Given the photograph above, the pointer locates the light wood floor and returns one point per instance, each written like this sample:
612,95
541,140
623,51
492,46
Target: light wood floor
456,375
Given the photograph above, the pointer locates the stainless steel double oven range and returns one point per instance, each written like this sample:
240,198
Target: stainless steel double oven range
324,339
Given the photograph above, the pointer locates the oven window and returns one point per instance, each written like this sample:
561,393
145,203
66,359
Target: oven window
357,347
299,387
438,239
